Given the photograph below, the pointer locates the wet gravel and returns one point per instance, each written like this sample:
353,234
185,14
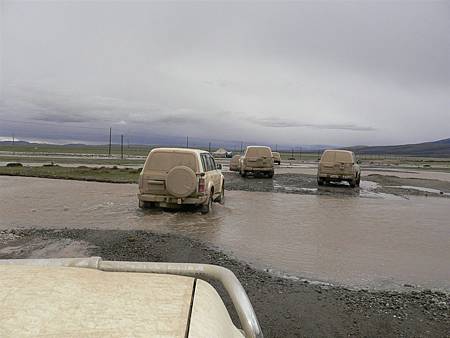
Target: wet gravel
392,184
285,307
7,236
307,184
285,183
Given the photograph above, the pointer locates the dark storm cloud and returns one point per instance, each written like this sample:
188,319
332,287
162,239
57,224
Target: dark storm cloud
371,72
277,123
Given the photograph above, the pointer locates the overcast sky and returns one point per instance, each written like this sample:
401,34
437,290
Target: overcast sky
326,72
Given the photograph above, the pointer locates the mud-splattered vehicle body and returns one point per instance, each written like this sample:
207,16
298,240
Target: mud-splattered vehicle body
276,157
175,176
257,160
235,163
337,166
89,297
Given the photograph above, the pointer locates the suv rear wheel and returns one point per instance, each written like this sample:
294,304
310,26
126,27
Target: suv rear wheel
221,198
206,208
144,205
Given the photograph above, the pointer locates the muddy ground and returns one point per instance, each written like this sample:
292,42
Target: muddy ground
285,307
389,184
307,184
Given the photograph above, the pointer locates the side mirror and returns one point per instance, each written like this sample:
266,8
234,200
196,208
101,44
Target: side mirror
218,166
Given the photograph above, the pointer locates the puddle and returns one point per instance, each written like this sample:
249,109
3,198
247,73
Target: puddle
422,174
369,185
306,190
366,242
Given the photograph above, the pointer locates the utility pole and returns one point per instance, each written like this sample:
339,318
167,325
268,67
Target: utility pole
109,149
13,144
300,153
209,147
187,141
121,146
242,145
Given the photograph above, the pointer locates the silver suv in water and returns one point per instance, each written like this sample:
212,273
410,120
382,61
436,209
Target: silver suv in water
177,176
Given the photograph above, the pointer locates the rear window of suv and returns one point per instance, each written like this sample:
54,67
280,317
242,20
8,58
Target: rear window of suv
337,156
344,157
258,152
165,161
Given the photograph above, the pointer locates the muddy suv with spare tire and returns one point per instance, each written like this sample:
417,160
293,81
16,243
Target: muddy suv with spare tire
174,176
257,160
338,166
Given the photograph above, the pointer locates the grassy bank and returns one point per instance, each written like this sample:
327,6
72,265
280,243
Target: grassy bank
82,149
71,160
81,173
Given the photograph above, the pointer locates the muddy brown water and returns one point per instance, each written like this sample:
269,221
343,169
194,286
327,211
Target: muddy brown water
381,242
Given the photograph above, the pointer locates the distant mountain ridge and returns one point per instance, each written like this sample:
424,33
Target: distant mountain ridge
439,148
435,148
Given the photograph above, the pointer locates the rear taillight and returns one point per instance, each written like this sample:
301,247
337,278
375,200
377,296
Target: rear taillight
201,185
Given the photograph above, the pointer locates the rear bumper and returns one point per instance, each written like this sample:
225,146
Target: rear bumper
250,169
168,200
336,176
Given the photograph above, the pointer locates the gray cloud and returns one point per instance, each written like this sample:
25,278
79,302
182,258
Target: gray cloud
279,123
372,73
178,120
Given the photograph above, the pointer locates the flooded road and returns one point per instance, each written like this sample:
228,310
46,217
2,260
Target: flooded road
403,173
380,242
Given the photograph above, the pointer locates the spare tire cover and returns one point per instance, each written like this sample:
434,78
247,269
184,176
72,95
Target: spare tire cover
181,181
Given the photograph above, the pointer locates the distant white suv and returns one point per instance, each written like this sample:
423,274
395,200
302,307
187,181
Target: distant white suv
177,176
